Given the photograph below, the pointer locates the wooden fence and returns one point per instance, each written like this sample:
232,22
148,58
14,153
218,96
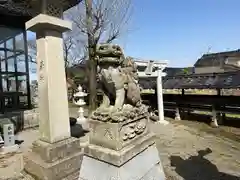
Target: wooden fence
216,105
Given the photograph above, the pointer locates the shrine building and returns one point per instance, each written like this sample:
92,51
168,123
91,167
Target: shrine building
14,57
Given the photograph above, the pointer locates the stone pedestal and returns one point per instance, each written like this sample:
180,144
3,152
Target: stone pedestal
61,160
118,153
55,156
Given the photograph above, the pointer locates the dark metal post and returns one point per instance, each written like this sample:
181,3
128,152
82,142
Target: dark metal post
6,63
1,87
16,98
27,69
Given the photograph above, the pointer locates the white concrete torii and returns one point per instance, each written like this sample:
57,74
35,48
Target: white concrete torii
158,74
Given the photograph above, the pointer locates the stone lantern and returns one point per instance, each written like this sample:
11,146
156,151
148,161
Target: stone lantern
81,103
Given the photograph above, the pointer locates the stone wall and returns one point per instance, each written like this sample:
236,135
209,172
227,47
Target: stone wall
31,118
23,119
34,93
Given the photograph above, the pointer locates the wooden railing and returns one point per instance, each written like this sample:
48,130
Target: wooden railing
215,105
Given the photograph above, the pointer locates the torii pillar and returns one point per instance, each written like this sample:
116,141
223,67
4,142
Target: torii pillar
158,74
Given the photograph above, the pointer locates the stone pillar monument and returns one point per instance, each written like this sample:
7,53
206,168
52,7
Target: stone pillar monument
121,145
55,155
11,158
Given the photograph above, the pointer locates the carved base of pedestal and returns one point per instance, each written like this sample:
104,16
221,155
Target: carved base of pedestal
117,136
58,161
139,161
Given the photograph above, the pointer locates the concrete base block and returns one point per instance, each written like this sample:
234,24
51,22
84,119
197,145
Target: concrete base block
144,166
177,118
11,165
214,124
58,161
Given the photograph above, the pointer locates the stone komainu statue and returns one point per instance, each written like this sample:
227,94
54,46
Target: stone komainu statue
118,80
117,76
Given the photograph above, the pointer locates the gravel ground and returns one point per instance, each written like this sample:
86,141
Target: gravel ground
188,150
195,151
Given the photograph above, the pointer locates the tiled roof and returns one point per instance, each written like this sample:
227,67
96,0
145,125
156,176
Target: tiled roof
196,81
216,59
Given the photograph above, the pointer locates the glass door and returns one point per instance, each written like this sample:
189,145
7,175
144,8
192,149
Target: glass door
14,72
